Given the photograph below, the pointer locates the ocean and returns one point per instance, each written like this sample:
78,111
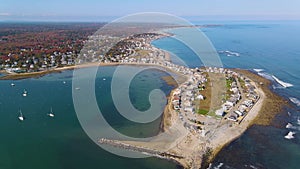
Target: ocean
270,48
44,142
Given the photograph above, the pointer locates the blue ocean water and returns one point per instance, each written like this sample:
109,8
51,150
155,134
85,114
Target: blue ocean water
272,46
60,142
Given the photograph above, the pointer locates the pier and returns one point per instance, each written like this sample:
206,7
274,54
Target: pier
153,152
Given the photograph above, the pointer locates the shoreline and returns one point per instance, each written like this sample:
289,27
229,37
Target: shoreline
274,103
258,112
264,112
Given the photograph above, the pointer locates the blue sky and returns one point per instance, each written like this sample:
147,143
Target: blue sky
99,9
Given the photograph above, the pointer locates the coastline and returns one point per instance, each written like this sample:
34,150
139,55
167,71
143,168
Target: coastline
16,76
263,112
273,104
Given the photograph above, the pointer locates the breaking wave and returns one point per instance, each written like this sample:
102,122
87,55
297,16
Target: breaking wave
289,125
219,166
295,101
261,72
290,135
229,53
282,83
265,75
258,70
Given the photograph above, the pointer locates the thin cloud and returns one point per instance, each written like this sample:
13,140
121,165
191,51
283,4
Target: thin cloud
5,14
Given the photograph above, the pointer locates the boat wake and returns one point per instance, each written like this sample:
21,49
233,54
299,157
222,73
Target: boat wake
229,53
295,101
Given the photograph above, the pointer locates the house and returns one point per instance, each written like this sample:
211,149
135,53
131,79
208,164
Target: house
200,97
220,112
229,103
189,109
238,113
234,90
187,103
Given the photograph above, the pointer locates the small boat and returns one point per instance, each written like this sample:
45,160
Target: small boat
77,88
290,135
12,84
104,79
24,93
21,117
51,114
64,82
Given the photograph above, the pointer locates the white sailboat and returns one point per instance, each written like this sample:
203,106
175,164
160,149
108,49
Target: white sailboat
24,93
51,114
21,117
12,84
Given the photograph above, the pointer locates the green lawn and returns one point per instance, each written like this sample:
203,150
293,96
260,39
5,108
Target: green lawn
203,111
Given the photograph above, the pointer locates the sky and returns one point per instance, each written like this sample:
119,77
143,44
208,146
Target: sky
97,10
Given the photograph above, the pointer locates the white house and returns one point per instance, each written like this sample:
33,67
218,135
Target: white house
200,97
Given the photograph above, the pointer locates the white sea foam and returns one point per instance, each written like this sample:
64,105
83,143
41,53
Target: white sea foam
296,126
290,135
295,101
258,70
229,53
252,166
282,83
265,75
274,78
219,166
289,125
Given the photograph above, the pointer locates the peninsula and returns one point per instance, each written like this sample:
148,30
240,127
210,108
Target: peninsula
209,108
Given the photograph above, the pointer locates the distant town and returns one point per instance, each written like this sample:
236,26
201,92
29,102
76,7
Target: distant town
33,47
